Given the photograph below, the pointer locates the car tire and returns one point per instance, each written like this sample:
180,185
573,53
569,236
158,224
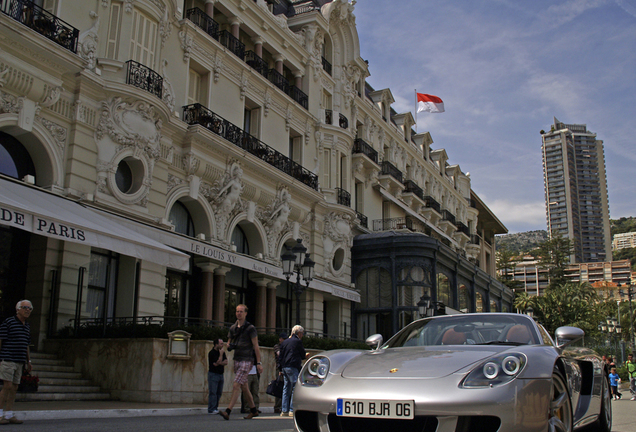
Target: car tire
604,422
560,414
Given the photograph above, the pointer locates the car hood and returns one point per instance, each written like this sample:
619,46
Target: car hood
414,362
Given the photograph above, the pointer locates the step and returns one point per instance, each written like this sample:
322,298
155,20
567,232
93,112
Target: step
56,375
48,362
49,368
38,355
67,389
37,396
64,381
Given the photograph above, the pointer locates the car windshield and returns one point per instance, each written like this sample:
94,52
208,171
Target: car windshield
478,329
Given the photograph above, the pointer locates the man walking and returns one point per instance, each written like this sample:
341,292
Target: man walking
292,353
216,364
15,337
631,371
244,341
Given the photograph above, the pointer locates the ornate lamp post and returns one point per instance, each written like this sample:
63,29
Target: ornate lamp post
293,263
613,330
429,308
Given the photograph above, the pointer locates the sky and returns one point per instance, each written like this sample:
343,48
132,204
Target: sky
505,69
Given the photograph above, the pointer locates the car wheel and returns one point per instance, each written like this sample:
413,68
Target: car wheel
560,416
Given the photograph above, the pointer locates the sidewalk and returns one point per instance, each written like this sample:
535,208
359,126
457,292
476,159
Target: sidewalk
103,409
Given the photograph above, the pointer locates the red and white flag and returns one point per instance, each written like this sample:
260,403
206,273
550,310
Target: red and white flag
430,103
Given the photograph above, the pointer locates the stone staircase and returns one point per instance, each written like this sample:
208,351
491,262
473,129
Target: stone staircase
59,382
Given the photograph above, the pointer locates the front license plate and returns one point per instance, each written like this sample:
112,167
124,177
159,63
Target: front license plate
390,409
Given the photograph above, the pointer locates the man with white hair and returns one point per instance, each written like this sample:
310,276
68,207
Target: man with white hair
292,353
15,337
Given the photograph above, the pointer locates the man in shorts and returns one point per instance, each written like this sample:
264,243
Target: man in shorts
243,340
15,337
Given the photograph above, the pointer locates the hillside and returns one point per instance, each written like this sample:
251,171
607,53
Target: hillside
521,242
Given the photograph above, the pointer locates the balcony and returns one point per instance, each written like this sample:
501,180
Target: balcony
433,204
43,22
344,197
278,80
326,65
328,116
364,221
228,40
389,169
448,216
203,21
462,228
432,210
144,78
198,114
256,63
413,188
297,94
409,223
361,147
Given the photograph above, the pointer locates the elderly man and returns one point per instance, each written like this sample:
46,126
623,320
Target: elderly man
15,337
292,353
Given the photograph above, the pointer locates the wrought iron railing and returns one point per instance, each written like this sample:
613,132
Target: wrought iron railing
297,94
230,42
462,228
204,21
326,65
475,239
328,116
389,224
416,225
256,63
412,187
432,203
360,146
344,122
278,80
448,216
364,221
302,7
344,197
389,169
198,114
144,78
42,21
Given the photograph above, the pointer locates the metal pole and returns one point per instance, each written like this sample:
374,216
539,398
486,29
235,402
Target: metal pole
631,318
298,290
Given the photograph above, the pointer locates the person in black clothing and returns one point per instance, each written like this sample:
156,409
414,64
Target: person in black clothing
15,337
292,353
216,363
278,403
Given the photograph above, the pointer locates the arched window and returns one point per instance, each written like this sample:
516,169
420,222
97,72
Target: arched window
15,160
444,292
181,219
494,307
479,303
464,299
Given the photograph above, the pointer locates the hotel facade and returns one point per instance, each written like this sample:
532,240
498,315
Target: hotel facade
158,157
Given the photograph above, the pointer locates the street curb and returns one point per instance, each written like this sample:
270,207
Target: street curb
112,413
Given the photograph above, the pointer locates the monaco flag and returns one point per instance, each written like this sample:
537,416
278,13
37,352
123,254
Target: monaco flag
430,103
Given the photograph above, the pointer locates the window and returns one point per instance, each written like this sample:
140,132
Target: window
112,43
464,299
181,219
142,43
444,292
295,147
102,278
359,197
15,160
194,87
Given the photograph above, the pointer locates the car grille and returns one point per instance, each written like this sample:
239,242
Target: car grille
308,422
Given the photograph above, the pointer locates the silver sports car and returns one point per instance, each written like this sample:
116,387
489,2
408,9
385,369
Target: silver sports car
481,372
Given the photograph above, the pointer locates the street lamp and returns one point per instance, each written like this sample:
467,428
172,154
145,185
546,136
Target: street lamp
613,331
428,308
293,263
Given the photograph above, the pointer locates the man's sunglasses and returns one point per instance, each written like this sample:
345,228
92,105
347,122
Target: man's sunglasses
26,307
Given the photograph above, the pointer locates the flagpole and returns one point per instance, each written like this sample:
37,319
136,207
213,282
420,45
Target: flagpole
415,90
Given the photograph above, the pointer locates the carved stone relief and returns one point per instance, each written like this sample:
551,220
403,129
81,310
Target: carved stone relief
275,218
338,234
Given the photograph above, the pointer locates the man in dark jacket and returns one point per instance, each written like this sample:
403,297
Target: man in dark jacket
292,354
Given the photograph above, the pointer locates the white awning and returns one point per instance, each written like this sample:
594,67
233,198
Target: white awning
44,213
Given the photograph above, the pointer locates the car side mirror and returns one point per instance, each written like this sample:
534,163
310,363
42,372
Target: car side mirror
565,336
374,341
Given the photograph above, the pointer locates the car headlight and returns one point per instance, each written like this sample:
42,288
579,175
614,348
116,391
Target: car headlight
497,370
315,371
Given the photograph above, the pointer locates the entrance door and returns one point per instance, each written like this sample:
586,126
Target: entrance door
176,287
14,257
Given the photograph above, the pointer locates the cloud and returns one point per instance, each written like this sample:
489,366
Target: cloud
519,216
627,7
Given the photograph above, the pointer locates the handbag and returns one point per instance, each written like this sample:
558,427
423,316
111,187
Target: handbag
275,388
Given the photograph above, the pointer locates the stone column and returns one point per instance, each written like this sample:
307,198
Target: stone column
261,302
279,63
298,80
207,289
218,295
271,305
235,26
258,46
209,8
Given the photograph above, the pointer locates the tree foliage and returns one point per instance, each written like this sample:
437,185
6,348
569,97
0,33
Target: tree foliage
505,261
568,304
554,255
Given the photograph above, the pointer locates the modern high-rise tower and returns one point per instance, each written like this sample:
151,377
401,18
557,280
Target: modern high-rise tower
576,190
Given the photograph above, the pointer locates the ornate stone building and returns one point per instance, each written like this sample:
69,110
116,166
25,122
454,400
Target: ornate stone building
159,156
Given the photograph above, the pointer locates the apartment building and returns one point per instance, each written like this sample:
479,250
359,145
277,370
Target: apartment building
159,157
624,241
576,190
